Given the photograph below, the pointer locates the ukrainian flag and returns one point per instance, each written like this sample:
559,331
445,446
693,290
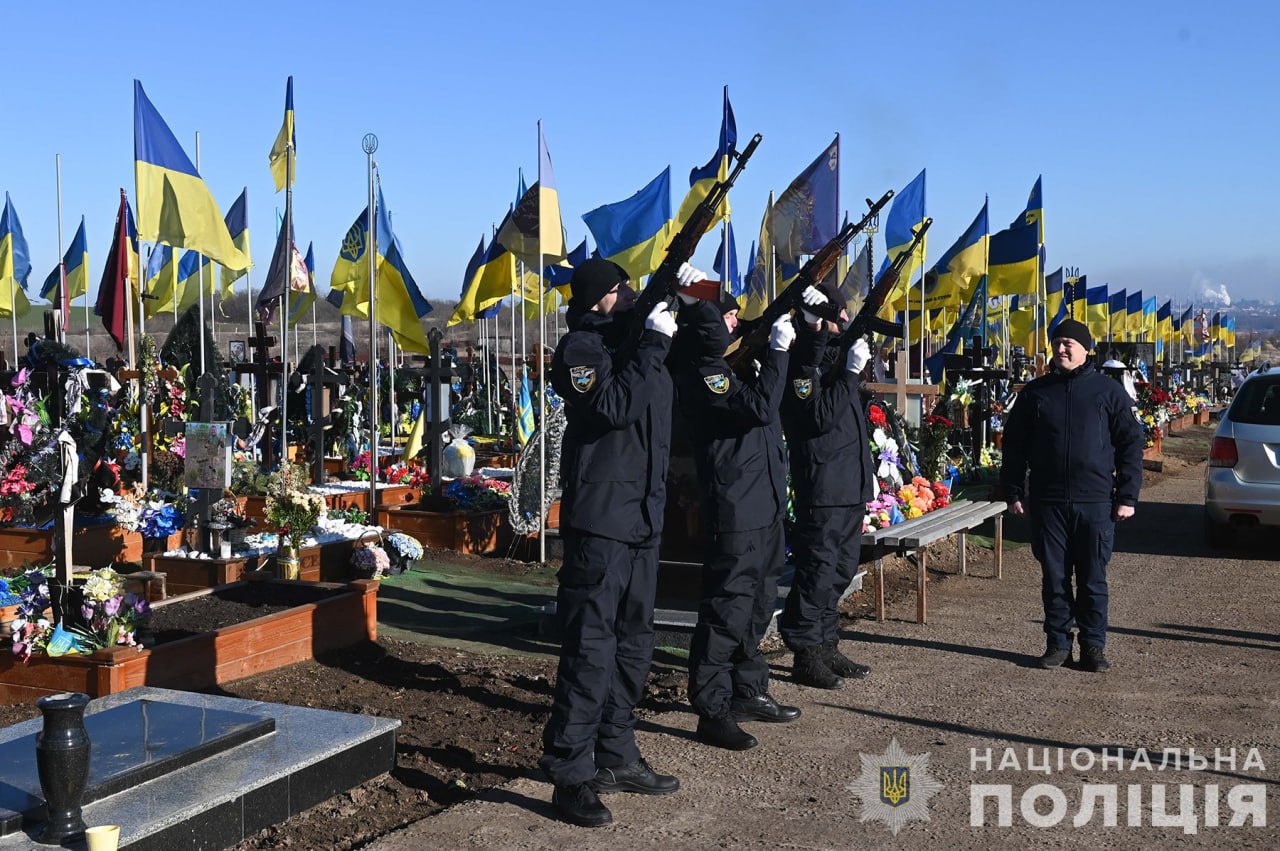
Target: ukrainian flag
1097,312
488,279
524,408
1186,325
1149,317
175,206
1164,327
1117,311
1022,328
1014,262
162,281
534,231
286,138
1133,318
756,297
190,269
238,226
857,280
1053,291
300,306
634,233
131,231
701,180
1034,214
948,283
15,263
906,214
76,261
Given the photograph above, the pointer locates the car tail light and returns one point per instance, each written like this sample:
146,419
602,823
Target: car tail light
1223,453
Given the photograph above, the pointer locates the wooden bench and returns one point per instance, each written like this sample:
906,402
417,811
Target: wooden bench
959,518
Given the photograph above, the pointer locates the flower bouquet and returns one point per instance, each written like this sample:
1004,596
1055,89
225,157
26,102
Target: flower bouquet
292,510
370,562
478,493
403,551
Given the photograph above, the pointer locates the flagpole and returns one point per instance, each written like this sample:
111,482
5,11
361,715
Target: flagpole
199,278
515,401
284,302
542,379
370,145
64,303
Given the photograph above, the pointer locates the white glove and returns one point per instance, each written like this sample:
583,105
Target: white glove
661,320
810,297
783,334
859,354
686,299
687,275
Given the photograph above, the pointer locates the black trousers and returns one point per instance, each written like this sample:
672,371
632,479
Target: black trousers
826,543
1073,540
605,607
739,592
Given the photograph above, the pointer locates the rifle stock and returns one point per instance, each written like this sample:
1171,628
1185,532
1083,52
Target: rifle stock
813,272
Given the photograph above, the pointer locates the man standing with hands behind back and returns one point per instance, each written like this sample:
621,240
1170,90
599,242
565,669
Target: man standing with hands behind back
1076,434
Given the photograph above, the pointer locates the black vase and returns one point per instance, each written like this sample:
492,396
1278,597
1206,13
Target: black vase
62,760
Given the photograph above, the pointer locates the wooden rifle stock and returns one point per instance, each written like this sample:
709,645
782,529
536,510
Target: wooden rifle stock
813,272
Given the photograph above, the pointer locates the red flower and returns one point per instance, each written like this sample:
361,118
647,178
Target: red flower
937,420
877,416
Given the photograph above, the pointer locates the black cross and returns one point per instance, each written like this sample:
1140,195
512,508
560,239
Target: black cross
266,375
322,378
434,372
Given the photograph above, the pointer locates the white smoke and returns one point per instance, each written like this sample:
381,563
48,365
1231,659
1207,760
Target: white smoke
1207,290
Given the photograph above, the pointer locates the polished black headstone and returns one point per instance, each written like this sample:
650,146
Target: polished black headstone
131,744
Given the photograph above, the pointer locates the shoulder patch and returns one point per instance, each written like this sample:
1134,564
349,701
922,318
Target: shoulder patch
718,383
583,377
803,387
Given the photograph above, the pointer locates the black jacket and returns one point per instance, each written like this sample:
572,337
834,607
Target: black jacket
827,431
613,464
737,437
1078,435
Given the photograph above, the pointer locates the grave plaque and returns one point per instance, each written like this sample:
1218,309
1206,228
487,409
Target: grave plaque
208,456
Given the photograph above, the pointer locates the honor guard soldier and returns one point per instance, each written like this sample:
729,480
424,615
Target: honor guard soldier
742,476
824,417
617,396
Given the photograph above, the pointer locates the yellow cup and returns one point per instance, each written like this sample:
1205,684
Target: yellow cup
103,838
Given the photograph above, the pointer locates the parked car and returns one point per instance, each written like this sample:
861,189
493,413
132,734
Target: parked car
1242,481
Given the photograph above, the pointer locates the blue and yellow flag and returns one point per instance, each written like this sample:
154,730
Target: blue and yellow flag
15,263
1164,327
806,215
300,303
1014,265
857,281
238,226
1149,318
701,180
1097,312
194,269
490,277
948,283
286,138
731,278
1053,292
76,261
1133,318
524,409
401,304
634,233
1034,214
1117,316
534,231
162,281
757,295
905,216
175,206
967,324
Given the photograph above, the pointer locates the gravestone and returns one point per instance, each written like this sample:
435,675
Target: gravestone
324,382
207,466
437,381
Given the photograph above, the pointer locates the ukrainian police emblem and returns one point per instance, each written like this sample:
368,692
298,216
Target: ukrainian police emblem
895,787
719,383
583,377
803,387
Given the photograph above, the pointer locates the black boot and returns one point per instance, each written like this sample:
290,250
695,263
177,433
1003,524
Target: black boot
725,733
1093,659
636,777
811,669
1055,657
578,804
762,707
842,665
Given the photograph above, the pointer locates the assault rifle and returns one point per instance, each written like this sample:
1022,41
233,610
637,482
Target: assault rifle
756,337
866,321
662,283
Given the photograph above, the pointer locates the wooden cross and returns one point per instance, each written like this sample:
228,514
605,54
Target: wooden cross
434,374
322,378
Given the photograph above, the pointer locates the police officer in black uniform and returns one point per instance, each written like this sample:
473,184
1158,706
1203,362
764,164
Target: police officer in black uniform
613,472
1077,434
824,416
741,462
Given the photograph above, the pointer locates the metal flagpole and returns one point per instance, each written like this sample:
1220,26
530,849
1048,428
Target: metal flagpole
391,387
284,303
199,278
515,400
63,300
542,381
370,145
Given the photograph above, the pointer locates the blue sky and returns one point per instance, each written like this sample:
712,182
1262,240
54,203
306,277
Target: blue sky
1151,122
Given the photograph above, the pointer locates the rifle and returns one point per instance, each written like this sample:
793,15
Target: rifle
866,320
662,283
756,337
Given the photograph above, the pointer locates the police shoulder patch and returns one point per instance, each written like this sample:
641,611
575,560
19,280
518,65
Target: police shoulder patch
803,387
718,383
583,377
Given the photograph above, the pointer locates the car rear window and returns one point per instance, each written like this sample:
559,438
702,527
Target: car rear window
1257,402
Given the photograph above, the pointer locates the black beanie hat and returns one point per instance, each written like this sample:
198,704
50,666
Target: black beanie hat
728,304
592,281
1074,330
